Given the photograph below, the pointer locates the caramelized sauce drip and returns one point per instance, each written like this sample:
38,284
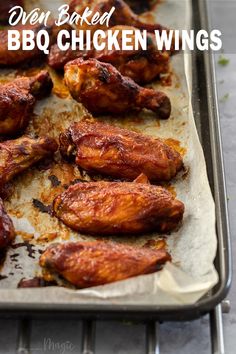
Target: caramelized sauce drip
175,144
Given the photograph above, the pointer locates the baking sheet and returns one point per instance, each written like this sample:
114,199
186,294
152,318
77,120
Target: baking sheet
193,246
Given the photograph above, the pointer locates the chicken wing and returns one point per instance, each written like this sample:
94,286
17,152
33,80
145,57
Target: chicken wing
7,232
17,155
139,6
142,66
118,152
103,90
86,264
58,58
17,100
108,208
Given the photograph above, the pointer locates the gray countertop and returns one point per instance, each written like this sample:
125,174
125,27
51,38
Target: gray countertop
177,338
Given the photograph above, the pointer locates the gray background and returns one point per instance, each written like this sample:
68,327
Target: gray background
176,338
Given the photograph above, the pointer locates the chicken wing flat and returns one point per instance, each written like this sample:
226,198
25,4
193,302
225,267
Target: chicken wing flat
7,232
118,152
103,90
142,66
17,100
86,264
17,155
108,208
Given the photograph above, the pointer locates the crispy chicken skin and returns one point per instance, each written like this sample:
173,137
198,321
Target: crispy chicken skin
103,90
17,155
142,66
109,208
7,232
118,152
86,264
17,100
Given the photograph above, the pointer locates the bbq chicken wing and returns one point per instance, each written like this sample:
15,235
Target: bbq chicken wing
118,152
142,66
123,15
108,208
17,155
103,90
7,232
58,58
86,264
17,100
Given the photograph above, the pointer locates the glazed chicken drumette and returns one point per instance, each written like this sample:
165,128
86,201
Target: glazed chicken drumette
103,90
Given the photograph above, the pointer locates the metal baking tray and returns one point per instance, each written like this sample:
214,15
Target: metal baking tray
204,100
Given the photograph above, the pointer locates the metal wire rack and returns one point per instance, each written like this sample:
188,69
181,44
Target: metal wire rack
152,334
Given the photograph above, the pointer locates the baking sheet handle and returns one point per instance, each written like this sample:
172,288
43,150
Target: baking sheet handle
152,338
88,337
152,334
217,334
23,342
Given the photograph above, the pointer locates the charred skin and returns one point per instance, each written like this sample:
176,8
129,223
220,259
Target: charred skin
118,152
86,264
17,155
103,90
7,232
17,100
142,66
108,208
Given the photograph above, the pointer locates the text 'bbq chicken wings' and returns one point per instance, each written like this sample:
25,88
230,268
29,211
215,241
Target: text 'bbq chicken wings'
118,152
86,264
17,100
7,232
103,90
143,66
17,155
108,208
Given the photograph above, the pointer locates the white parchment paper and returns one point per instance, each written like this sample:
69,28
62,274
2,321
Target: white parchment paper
193,247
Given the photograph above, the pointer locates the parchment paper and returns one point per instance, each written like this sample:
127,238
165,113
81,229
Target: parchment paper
193,247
